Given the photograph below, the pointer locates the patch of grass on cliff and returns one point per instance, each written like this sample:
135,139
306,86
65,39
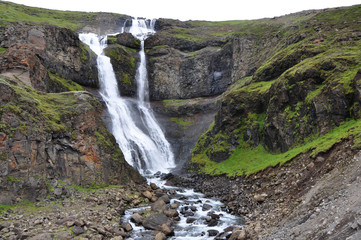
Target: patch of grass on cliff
46,109
10,12
184,122
247,160
63,84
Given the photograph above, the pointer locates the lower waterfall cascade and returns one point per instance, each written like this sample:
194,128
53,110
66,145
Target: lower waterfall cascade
144,145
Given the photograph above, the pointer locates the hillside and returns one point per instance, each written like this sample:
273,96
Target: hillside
263,114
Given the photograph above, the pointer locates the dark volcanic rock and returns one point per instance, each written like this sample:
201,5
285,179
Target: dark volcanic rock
125,39
155,221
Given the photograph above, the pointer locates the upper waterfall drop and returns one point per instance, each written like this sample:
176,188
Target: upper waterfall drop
133,124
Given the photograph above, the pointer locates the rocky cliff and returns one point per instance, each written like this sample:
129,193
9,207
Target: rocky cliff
50,128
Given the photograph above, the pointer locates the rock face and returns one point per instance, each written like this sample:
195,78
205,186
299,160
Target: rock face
58,49
124,60
54,136
177,74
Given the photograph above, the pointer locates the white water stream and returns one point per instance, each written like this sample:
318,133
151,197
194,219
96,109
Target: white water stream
143,143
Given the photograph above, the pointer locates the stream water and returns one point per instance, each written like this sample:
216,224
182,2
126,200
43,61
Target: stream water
143,142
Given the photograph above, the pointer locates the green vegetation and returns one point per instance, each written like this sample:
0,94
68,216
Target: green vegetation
13,179
2,50
247,160
47,110
63,84
184,122
314,62
10,12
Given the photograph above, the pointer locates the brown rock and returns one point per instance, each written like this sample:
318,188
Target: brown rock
260,197
147,194
153,186
160,236
166,230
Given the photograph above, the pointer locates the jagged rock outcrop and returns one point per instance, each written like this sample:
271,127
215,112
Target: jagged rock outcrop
58,49
54,136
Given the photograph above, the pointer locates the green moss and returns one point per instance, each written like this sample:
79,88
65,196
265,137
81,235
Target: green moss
184,122
126,79
2,50
13,179
48,110
63,84
246,160
107,141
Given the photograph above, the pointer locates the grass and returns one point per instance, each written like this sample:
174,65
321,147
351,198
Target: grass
64,84
245,160
10,12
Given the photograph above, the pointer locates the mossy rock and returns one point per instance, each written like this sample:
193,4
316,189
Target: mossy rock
125,39
124,64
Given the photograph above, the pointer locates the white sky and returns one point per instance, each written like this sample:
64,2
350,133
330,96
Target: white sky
210,10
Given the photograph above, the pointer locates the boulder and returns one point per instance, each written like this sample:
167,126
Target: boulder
136,218
125,39
212,232
159,206
155,221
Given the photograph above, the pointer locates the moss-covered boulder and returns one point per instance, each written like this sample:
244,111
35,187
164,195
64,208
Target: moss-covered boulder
125,39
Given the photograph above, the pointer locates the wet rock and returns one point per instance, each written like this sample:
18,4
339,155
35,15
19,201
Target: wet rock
127,227
171,213
174,205
155,221
191,220
167,230
136,218
160,236
212,223
153,186
206,207
212,232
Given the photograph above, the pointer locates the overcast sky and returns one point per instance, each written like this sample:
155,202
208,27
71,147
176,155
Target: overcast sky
192,9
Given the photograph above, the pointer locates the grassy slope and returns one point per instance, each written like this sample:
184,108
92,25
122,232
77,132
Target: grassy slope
332,27
10,12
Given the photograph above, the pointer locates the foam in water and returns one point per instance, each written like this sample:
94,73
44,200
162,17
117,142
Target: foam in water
133,124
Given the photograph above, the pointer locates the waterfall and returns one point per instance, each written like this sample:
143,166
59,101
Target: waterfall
133,124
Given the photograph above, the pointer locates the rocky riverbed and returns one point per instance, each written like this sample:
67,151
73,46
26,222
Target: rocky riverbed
118,212
307,198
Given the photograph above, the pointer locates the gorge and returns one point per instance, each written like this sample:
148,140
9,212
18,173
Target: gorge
261,114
